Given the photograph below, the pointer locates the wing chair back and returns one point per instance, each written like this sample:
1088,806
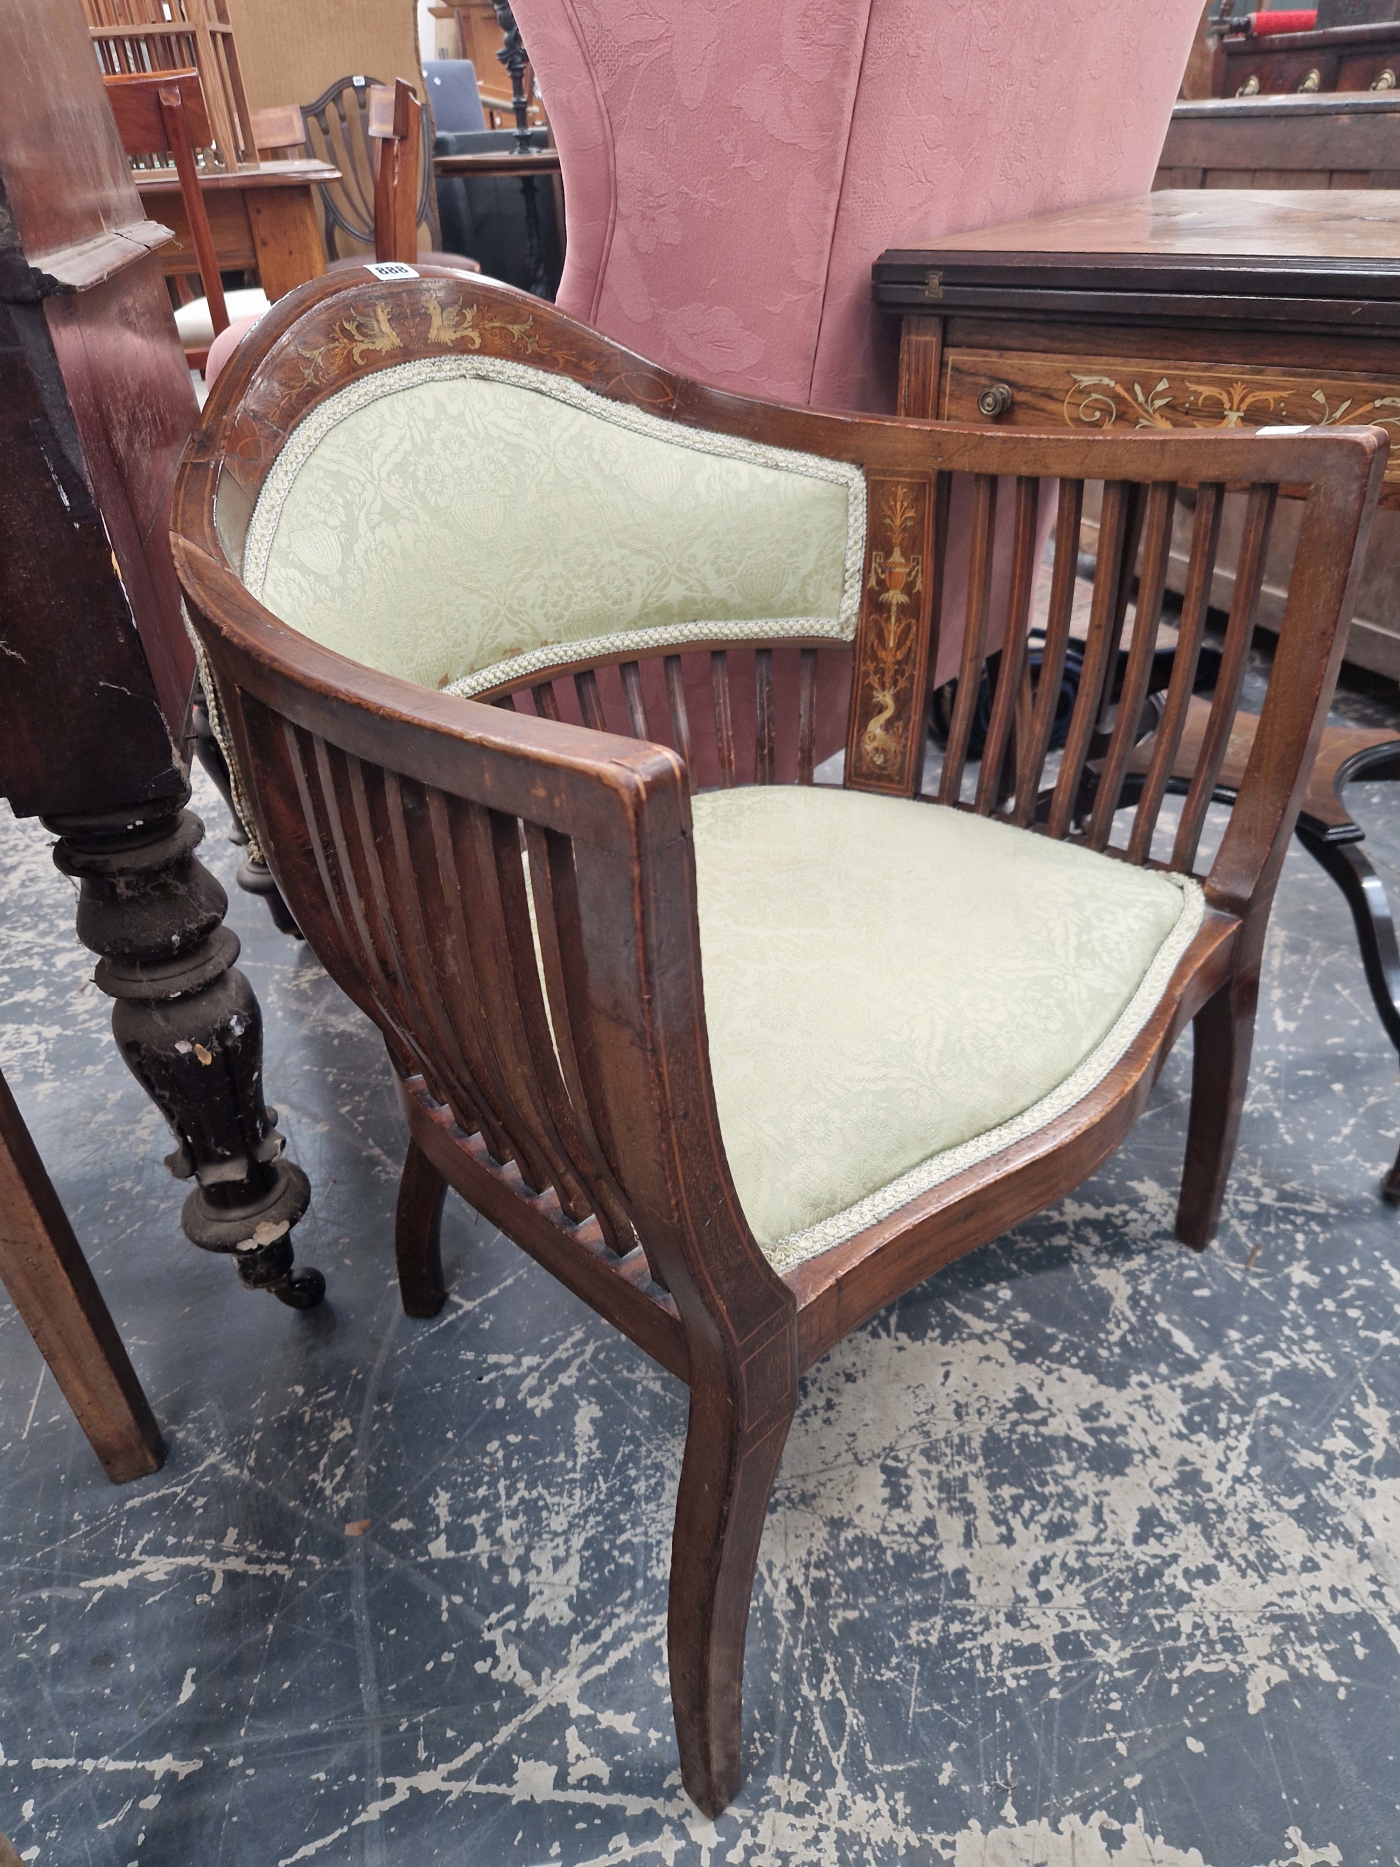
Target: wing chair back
732,167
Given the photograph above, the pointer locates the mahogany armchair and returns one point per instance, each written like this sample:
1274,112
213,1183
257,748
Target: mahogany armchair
737,1056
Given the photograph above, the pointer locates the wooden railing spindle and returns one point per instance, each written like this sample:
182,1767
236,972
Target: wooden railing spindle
1013,653
1249,576
589,700
807,716
1157,526
1113,531
764,748
724,725
970,670
632,693
1200,569
680,716
1034,743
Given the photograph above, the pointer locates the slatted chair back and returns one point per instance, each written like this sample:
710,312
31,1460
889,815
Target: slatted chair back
509,889
164,114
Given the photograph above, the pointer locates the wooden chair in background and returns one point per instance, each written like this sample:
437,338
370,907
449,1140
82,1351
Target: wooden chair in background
358,118
396,129
713,1056
163,114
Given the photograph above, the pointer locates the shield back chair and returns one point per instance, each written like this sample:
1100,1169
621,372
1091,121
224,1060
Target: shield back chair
450,556
349,119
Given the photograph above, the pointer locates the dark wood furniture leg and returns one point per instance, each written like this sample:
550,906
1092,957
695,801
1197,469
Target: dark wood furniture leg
43,1268
189,1029
417,1226
726,1478
1222,1033
1333,839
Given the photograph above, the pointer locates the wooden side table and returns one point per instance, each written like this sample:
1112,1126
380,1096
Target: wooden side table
262,216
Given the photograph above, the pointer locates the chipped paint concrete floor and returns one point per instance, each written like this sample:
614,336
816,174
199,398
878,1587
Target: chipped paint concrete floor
1086,1551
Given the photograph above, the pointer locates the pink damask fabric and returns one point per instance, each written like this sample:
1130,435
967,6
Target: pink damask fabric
732,167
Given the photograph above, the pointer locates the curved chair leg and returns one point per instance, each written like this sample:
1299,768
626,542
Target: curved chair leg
417,1225
1351,870
1224,1036
725,1484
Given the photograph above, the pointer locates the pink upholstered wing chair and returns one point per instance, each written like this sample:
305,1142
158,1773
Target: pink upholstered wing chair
732,167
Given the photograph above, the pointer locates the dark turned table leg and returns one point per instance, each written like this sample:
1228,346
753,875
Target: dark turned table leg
43,1268
189,1029
1333,839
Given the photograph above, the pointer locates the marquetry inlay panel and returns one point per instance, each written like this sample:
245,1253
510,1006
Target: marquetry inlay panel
1090,394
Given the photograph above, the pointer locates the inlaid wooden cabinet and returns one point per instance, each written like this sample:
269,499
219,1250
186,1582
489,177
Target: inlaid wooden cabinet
1192,308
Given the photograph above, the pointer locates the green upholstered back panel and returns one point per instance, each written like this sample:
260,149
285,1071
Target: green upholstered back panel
464,521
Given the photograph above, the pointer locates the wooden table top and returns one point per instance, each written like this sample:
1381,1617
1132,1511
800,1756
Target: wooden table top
499,162
296,173
1326,255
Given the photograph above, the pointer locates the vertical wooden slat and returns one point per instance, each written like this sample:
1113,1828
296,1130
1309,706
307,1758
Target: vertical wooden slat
547,851
970,667
632,693
1030,762
385,906
463,992
546,701
724,725
329,761
680,716
807,716
506,702
486,849
422,957
763,702
589,701
316,834
1195,602
1157,527
1010,673
1134,509
1113,527
1249,575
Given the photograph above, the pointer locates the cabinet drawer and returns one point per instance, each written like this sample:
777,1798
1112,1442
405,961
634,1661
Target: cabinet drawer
1079,393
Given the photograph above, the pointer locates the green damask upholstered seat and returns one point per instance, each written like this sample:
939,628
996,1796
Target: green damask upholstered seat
895,990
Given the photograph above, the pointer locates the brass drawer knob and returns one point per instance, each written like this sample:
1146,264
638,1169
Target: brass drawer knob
1385,82
994,400
1312,82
